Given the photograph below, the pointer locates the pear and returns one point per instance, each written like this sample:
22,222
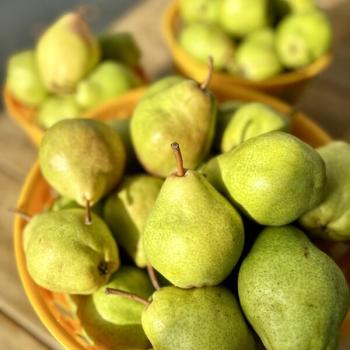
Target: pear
201,318
163,84
287,6
66,52
120,47
211,171
251,120
182,110
301,38
23,79
201,40
331,218
193,236
56,108
127,209
62,203
116,322
241,17
256,57
294,295
65,255
82,159
273,178
109,79
200,10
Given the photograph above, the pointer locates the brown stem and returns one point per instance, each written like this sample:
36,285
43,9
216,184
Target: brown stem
153,277
25,216
180,171
131,296
88,219
206,82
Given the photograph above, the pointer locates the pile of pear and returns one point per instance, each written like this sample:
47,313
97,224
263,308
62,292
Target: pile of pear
71,70
217,203
254,39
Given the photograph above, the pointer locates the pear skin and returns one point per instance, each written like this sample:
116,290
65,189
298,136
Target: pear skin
200,10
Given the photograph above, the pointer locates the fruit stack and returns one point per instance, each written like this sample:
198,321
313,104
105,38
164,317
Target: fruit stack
71,70
254,39
223,221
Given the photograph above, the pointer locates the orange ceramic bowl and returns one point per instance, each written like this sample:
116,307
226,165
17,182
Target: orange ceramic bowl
57,311
287,85
26,116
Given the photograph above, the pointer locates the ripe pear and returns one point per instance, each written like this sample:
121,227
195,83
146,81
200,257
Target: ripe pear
82,159
273,178
116,322
200,10
294,295
120,47
201,40
65,255
200,318
66,52
331,218
193,236
241,17
250,120
57,108
301,38
109,79
126,212
23,79
256,57
183,110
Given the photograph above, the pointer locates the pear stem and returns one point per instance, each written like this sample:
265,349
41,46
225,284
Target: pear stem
88,218
131,296
153,277
180,171
25,216
206,82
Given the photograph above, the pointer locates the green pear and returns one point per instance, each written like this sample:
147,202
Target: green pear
82,159
182,110
301,38
23,79
127,209
62,203
65,255
200,10
201,40
120,47
211,171
109,79
163,84
241,17
57,108
251,120
193,236
116,322
293,295
200,318
66,52
287,6
256,57
331,218
273,178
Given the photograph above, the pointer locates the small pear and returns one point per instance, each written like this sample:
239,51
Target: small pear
293,295
82,159
116,322
182,110
301,38
126,212
273,178
201,40
120,47
193,236
331,218
65,255
57,108
251,120
109,79
200,10
23,79
66,52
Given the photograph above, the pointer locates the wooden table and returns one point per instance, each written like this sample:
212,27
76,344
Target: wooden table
327,101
